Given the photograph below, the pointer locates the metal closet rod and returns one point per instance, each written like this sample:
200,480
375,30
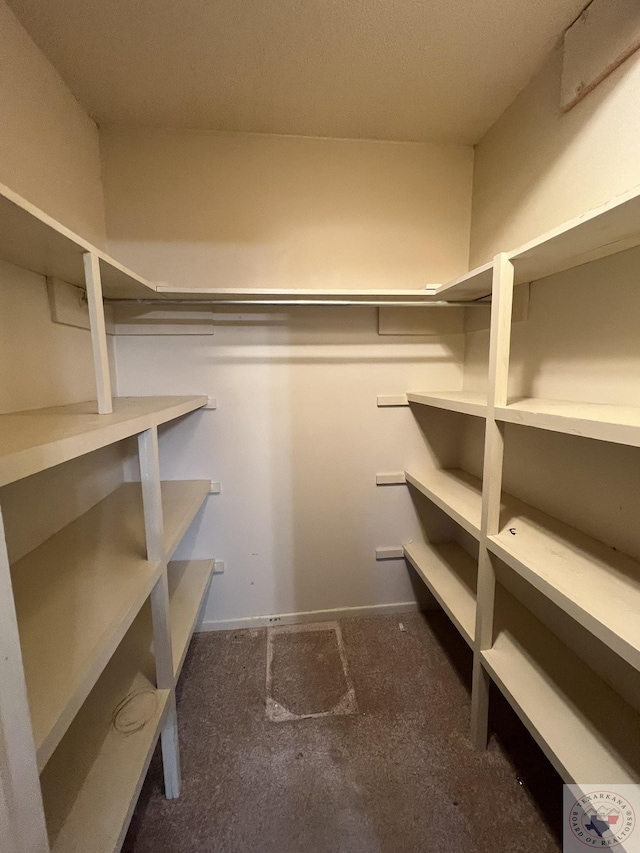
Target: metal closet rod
368,303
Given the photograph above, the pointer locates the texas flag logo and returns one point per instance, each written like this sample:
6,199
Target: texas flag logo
602,821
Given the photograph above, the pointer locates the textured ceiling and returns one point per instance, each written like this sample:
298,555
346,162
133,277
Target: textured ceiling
440,70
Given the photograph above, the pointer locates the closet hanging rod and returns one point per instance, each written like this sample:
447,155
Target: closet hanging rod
344,303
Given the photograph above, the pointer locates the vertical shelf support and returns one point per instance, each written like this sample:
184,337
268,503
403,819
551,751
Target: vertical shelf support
98,333
154,528
21,812
499,353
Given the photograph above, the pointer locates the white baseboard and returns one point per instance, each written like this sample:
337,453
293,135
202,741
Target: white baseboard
307,616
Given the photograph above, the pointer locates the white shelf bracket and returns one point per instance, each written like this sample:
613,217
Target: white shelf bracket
98,333
397,478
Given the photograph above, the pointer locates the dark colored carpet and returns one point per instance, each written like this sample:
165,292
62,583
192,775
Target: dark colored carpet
397,776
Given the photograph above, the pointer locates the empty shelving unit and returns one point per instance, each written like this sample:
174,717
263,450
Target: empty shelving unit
578,712
271,211
85,693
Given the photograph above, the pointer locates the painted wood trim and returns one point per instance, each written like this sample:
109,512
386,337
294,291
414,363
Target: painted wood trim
499,353
305,616
18,766
498,384
151,494
480,682
160,616
98,333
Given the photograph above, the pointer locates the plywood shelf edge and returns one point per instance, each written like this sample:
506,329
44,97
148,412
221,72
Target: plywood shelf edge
454,491
567,566
451,575
603,422
35,440
188,587
464,402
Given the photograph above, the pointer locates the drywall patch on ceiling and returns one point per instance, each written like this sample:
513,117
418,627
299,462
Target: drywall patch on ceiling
604,36
437,71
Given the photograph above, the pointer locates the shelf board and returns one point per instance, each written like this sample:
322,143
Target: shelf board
188,585
451,575
606,230
181,500
473,285
603,231
77,594
456,492
618,424
33,240
213,294
466,402
34,440
596,585
584,727
93,780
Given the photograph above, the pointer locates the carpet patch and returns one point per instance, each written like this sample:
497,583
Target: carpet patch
307,673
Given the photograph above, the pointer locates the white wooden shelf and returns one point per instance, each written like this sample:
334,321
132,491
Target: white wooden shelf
93,779
188,585
32,441
596,585
606,230
297,295
92,782
465,402
473,285
588,732
451,575
181,500
454,491
618,424
77,594
35,241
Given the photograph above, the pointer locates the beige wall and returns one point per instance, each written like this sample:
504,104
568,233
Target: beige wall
48,145
236,210
49,154
538,167
297,439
